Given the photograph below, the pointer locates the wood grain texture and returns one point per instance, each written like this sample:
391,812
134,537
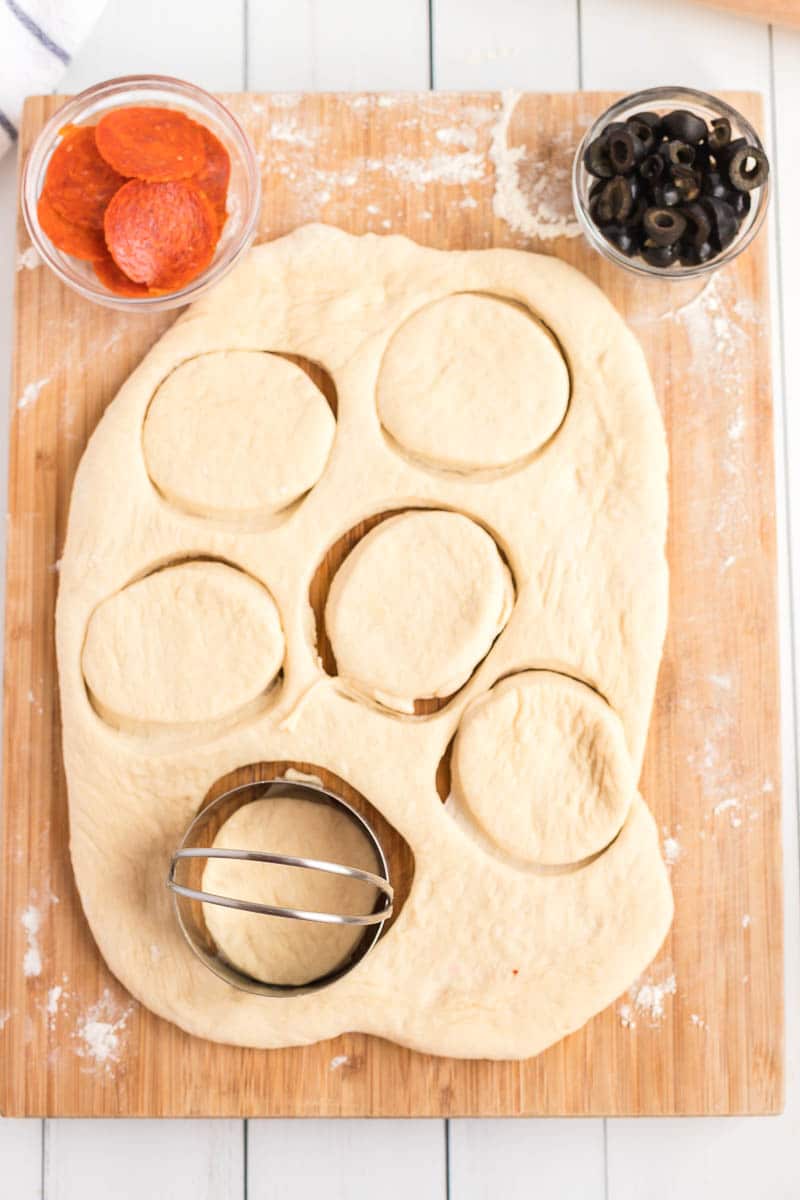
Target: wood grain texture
771,12
711,772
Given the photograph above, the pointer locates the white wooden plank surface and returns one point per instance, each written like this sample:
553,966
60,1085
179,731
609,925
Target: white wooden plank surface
527,1160
346,45
193,39
480,45
346,1160
134,1160
21,1159
383,44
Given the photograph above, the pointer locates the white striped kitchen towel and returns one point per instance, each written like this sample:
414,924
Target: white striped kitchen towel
37,41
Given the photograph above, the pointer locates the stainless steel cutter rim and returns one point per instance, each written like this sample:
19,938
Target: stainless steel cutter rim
373,923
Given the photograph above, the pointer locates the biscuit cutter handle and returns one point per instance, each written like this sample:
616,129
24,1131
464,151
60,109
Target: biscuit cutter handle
382,912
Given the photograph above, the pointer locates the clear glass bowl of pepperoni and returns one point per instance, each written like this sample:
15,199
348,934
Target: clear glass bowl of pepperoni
165,210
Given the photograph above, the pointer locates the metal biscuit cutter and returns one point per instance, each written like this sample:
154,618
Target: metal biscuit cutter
185,873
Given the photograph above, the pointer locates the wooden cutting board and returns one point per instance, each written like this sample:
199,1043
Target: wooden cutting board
702,1032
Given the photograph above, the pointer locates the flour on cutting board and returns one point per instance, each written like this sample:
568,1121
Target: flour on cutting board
31,921
646,1000
534,198
30,394
100,1033
28,260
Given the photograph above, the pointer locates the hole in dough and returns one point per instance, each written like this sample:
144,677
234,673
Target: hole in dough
239,434
416,606
396,849
189,645
541,764
472,382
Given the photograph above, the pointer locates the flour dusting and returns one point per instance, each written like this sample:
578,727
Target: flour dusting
31,393
5,1017
672,851
646,1001
100,1033
534,199
29,260
461,135
31,921
340,1060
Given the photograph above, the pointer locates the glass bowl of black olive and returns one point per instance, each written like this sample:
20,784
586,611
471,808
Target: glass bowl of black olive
670,182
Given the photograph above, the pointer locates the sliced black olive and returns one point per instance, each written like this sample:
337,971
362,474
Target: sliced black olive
748,168
596,188
704,160
663,226
685,126
649,118
740,203
665,194
699,222
719,135
626,238
692,256
643,132
596,160
724,225
652,167
687,182
625,151
716,185
679,154
614,127
615,202
659,256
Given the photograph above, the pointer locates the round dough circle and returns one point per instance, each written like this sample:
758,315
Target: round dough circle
541,763
275,949
237,433
189,644
416,605
472,382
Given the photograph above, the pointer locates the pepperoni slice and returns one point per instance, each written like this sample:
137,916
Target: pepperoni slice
115,280
213,178
79,183
159,145
161,234
72,239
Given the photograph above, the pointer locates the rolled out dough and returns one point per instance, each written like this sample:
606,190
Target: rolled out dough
487,958
277,949
416,606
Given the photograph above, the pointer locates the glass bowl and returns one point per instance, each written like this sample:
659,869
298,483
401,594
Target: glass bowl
663,99
244,192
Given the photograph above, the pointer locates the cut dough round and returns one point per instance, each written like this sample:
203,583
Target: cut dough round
416,605
237,433
189,644
472,382
276,949
541,763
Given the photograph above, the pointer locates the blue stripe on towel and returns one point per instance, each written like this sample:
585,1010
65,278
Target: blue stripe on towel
7,126
36,31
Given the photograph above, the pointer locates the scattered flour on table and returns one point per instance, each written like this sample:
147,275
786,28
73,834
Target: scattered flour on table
31,393
29,260
461,135
5,1017
747,921
698,1022
31,921
533,198
730,806
672,851
340,1060
645,1001
99,1033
